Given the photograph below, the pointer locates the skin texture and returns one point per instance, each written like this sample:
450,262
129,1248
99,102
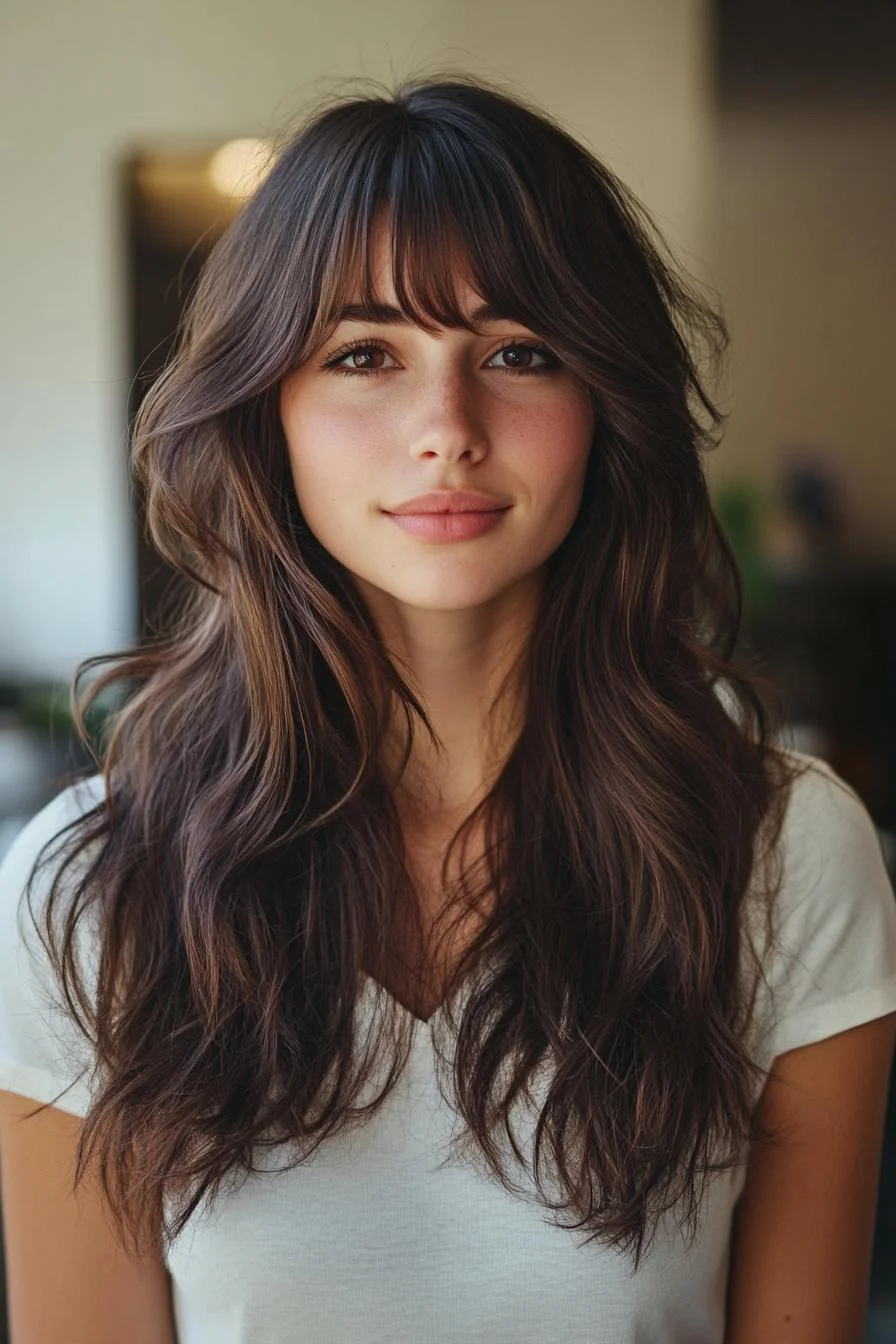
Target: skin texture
442,412
804,1225
67,1276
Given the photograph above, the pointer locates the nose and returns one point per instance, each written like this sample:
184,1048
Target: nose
447,419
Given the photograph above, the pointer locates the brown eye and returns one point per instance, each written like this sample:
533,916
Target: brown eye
517,356
367,357
521,357
364,357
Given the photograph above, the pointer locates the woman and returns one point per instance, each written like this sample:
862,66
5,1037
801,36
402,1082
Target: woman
455,954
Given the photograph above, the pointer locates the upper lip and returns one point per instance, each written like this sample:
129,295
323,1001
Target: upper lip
450,501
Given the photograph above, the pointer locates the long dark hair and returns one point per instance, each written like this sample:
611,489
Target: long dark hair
246,860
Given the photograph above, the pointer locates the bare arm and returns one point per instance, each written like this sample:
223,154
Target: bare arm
804,1228
68,1278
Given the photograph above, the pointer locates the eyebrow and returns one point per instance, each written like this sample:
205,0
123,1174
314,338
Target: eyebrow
391,316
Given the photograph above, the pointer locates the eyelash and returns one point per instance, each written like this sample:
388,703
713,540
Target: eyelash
334,366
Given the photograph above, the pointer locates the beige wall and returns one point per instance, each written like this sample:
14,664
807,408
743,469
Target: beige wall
803,255
86,82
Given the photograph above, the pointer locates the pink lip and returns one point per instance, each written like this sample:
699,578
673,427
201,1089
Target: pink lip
449,526
450,501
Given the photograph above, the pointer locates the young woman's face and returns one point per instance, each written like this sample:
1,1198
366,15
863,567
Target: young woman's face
405,412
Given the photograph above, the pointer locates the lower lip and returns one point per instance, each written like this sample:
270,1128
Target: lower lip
448,526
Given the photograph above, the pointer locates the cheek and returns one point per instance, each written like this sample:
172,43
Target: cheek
557,442
328,445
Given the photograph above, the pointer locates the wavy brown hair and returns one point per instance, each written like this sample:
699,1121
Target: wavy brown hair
247,859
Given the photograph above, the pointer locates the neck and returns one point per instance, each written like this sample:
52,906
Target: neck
457,664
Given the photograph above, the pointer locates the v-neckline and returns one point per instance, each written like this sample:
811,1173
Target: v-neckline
425,1024
375,986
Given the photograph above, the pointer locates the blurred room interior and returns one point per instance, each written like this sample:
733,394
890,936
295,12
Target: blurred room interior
760,135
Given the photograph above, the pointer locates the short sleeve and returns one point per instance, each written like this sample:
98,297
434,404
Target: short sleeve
833,962
43,1054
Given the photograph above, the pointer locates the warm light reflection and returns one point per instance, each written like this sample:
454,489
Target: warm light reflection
238,167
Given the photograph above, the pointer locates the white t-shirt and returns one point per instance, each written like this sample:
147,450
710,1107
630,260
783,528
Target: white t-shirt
373,1242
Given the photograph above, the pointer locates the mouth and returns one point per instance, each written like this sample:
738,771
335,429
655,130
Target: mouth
443,526
450,501
442,513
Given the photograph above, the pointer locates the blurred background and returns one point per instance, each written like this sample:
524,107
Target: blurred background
760,135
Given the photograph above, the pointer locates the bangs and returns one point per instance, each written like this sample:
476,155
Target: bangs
452,212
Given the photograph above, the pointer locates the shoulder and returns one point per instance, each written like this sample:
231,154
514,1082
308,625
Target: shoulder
67,806
832,861
824,813
41,1052
56,819
832,961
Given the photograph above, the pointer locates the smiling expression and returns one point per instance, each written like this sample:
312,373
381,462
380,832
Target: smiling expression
386,410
